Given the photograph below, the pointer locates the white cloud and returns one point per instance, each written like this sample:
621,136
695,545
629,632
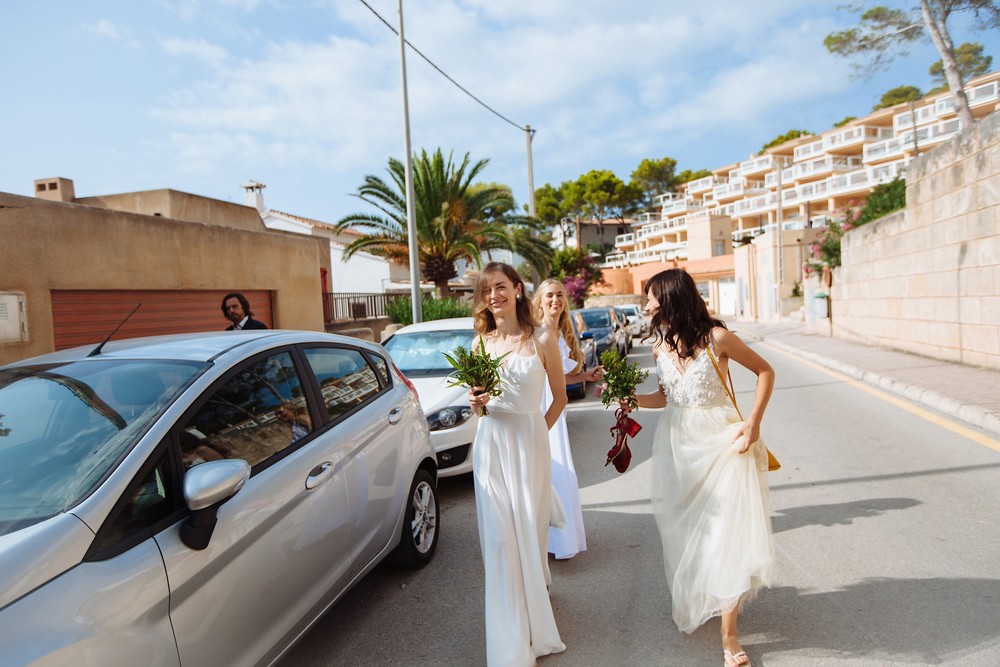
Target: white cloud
196,48
105,28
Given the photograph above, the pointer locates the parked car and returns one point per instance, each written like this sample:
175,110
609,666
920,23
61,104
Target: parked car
608,328
589,348
202,499
417,351
623,318
638,321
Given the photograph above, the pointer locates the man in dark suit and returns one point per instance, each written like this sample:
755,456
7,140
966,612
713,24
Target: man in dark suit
236,308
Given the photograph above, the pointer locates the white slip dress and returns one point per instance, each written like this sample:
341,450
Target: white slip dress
511,468
710,502
570,539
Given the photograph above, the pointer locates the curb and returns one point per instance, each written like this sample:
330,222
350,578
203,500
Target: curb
974,415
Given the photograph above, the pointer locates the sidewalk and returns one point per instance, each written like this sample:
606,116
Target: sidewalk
968,393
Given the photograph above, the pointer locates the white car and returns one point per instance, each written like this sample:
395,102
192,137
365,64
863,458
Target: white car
417,352
638,321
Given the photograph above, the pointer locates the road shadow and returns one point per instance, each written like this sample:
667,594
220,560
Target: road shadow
836,514
925,621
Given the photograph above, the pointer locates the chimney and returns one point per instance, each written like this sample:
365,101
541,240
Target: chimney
55,189
254,195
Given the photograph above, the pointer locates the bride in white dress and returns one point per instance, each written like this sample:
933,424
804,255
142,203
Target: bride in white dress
710,491
511,471
550,304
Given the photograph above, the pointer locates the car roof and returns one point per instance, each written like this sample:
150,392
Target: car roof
447,324
203,347
592,309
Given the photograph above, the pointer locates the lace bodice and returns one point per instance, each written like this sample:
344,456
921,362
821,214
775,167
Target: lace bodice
699,386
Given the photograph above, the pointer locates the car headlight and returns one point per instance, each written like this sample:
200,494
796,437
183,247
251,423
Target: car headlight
449,417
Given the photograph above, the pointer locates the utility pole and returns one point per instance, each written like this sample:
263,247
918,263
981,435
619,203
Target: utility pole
779,247
529,135
411,220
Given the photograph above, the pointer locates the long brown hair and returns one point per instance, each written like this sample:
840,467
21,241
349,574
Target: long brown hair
563,324
682,321
484,320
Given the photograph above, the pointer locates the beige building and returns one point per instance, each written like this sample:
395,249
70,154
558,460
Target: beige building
72,268
795,187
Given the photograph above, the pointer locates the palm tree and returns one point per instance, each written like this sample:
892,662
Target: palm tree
455,220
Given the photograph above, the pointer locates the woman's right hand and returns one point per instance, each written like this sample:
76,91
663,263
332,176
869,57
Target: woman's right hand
478,398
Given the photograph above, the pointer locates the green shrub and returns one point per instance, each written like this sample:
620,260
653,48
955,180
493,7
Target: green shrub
400,309
884,199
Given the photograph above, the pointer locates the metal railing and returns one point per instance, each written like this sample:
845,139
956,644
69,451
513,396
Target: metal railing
347,306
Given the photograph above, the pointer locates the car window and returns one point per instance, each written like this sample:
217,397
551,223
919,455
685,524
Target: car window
345,378
257,413
381,366
64,428
152,499
421,352
596,318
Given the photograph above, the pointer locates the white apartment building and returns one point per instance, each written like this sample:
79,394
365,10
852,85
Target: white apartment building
723,228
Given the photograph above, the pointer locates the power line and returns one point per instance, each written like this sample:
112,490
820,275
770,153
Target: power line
445,75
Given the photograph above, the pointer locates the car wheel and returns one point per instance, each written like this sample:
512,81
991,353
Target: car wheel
420,525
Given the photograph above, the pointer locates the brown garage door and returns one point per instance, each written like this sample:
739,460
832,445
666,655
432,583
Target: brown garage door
84,317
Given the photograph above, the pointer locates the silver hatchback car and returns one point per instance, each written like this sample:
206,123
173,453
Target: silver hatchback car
202,499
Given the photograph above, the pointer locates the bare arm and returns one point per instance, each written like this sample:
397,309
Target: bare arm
730,346
655,399
548,350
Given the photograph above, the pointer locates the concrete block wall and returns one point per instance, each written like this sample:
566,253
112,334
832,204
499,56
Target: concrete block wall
926,279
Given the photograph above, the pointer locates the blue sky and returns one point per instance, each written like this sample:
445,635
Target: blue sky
304,95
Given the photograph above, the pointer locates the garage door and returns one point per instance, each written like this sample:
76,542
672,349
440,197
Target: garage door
84,317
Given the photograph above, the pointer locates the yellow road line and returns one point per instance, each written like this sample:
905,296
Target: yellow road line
903,404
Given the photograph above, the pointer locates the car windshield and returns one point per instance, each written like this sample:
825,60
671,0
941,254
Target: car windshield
596,318
631,311
64,428
420,352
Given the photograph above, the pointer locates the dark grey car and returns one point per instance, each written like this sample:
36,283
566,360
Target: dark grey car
608,328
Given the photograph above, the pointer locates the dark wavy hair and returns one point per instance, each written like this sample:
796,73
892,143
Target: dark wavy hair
243,302
484,320
682,321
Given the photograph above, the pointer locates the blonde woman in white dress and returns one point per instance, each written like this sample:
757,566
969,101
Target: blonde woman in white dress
512,471
710,491
550,306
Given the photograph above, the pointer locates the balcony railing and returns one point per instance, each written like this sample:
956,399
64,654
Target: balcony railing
856,135
806,150
762,163
703,184
625,239
736,188
823,165
347,306
681,205
925,136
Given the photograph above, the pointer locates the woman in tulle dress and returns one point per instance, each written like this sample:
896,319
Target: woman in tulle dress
550,306
710,492
512,474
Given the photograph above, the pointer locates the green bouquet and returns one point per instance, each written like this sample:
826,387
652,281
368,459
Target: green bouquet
476,368
621,379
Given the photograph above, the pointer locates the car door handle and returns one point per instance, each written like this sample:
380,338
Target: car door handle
319,474
395,415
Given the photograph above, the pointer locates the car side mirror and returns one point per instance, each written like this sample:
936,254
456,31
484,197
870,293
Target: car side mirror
587,335
206,486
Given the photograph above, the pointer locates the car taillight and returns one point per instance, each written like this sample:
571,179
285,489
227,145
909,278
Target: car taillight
405,380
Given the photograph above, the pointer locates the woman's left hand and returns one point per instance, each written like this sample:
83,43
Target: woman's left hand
751,432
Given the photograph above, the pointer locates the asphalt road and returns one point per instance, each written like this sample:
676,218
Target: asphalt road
886,529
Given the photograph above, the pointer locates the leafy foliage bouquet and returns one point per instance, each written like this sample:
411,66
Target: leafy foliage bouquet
621,379
476,368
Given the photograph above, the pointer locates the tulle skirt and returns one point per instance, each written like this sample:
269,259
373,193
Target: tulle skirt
711,508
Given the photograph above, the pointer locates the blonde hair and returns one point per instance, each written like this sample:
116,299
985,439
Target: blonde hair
563,324
483,318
